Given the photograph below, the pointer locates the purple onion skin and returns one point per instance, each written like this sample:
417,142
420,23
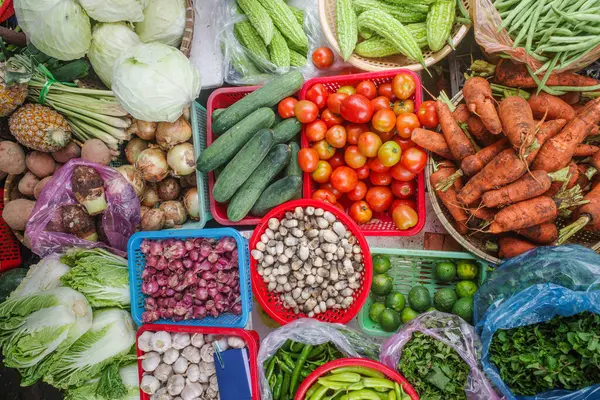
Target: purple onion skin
151,304
225,244
236,309
162,263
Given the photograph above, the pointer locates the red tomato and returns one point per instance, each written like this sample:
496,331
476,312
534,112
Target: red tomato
331,119
404,107
318,95
380,103
402,174
308,159
369,143
357,108
381,178
316,130
379,198
359,192
361,212
389,153
384,120
285,108
406,123
404,217
386,136
403,85
386,90
407,202
414,160
403,143
337,160
324,195
428,115
334,101
363,172
336,136
306,111
324,149
327,186
353,131
322,173
403,190
376,166
348,89
322,57
344,179
354,157
367,89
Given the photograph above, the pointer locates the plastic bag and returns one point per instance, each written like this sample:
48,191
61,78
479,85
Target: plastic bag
538,303
453,331
486,21
574,267
311,331
119,220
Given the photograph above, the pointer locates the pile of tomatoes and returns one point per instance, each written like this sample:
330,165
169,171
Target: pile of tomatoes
360,153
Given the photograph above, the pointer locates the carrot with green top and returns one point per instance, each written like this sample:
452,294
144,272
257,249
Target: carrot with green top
480,101
473,124
431,141
545,233
517,120
449,199
459,144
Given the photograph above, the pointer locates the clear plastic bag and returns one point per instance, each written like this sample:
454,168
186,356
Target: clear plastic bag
574,267
311,331
119,220
452,331
538,303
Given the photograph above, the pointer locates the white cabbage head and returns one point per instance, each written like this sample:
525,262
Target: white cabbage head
115,10
155,82
109,42
164,22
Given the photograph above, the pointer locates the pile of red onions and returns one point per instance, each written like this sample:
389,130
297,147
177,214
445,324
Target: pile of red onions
190,279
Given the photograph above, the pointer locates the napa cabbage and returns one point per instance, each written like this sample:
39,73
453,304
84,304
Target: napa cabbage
44,275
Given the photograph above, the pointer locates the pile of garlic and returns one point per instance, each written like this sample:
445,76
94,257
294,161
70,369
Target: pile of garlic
180,366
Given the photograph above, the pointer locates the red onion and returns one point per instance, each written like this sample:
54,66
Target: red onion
194,255
151,261
237,309
150,316
199,312
167,314
189,244
180,309
202,293
176,250
212,292
209,276
150,287
226,243
187,263
162,279
173,281
178,296
145,246
162,263
202,283
151,304
156,249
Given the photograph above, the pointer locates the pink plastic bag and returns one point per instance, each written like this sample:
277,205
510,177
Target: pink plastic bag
454,332
119,220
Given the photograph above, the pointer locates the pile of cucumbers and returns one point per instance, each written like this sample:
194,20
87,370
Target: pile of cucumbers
252,150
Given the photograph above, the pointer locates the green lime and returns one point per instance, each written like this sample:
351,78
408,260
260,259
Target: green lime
382,284
466,289
408,314
444,299
466,270
381,264
419,298
445,271
395,301
464,308
375,311
389,320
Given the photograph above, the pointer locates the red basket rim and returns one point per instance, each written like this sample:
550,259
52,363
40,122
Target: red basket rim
421,202
258,283
250,337
7,10
355,362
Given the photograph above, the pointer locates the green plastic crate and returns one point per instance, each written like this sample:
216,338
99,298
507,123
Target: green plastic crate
410,268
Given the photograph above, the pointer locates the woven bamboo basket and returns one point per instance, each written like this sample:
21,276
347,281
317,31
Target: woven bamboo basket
475,242
328,24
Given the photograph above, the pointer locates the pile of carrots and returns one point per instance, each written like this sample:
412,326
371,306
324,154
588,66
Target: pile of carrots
514,164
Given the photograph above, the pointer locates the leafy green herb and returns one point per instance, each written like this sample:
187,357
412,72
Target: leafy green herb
435,369
563,353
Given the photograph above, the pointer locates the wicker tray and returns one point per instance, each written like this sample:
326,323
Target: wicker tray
328,24
475,241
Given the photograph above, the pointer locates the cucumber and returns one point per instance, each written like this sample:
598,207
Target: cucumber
293,168
247,195
277,193
286,130
227,145
267,96
216,112
242,165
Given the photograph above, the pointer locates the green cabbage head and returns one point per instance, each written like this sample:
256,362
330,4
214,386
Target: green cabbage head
115,10
164,22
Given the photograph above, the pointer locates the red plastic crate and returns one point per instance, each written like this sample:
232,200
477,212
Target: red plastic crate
7,10
250,337
381,224
10,252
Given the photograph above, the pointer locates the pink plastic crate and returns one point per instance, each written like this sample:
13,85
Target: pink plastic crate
10,252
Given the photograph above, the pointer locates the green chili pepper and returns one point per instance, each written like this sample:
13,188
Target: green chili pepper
317,351
270,367
287,344
357,386
350,377
319,393
297,347
398,390
365,394
272,382
305,373
311,390
392,395
277,390
284,367
288,360
285,386
299,365
378,383
359,370
333,396
382,396
333,385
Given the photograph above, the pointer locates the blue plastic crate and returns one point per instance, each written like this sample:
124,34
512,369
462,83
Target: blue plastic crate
137,264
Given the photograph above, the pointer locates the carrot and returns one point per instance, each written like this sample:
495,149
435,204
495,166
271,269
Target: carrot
595,130
479,99
431,141
459,144
586,173
517,120
551,107
483,213
585,150
512,246
571,98
587,216
473,124
448,198
516,75
548,130
573,175
525,214
473,164
558,151
595,161
545,233
505,168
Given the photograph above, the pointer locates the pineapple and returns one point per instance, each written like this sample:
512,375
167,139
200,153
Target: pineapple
40,128
11,97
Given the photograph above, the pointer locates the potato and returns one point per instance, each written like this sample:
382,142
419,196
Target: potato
17,212
57,166
67,153
95,150
40,164
12,158
27,183
37,190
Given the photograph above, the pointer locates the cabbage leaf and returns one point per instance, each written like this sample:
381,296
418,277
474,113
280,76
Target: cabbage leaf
42,276
115,10
164,22
125,380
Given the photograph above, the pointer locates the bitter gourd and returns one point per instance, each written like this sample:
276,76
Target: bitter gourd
286,22
380,47
406,14
259,18
298,13
297,59
347,27
251,40
279,51
439,23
